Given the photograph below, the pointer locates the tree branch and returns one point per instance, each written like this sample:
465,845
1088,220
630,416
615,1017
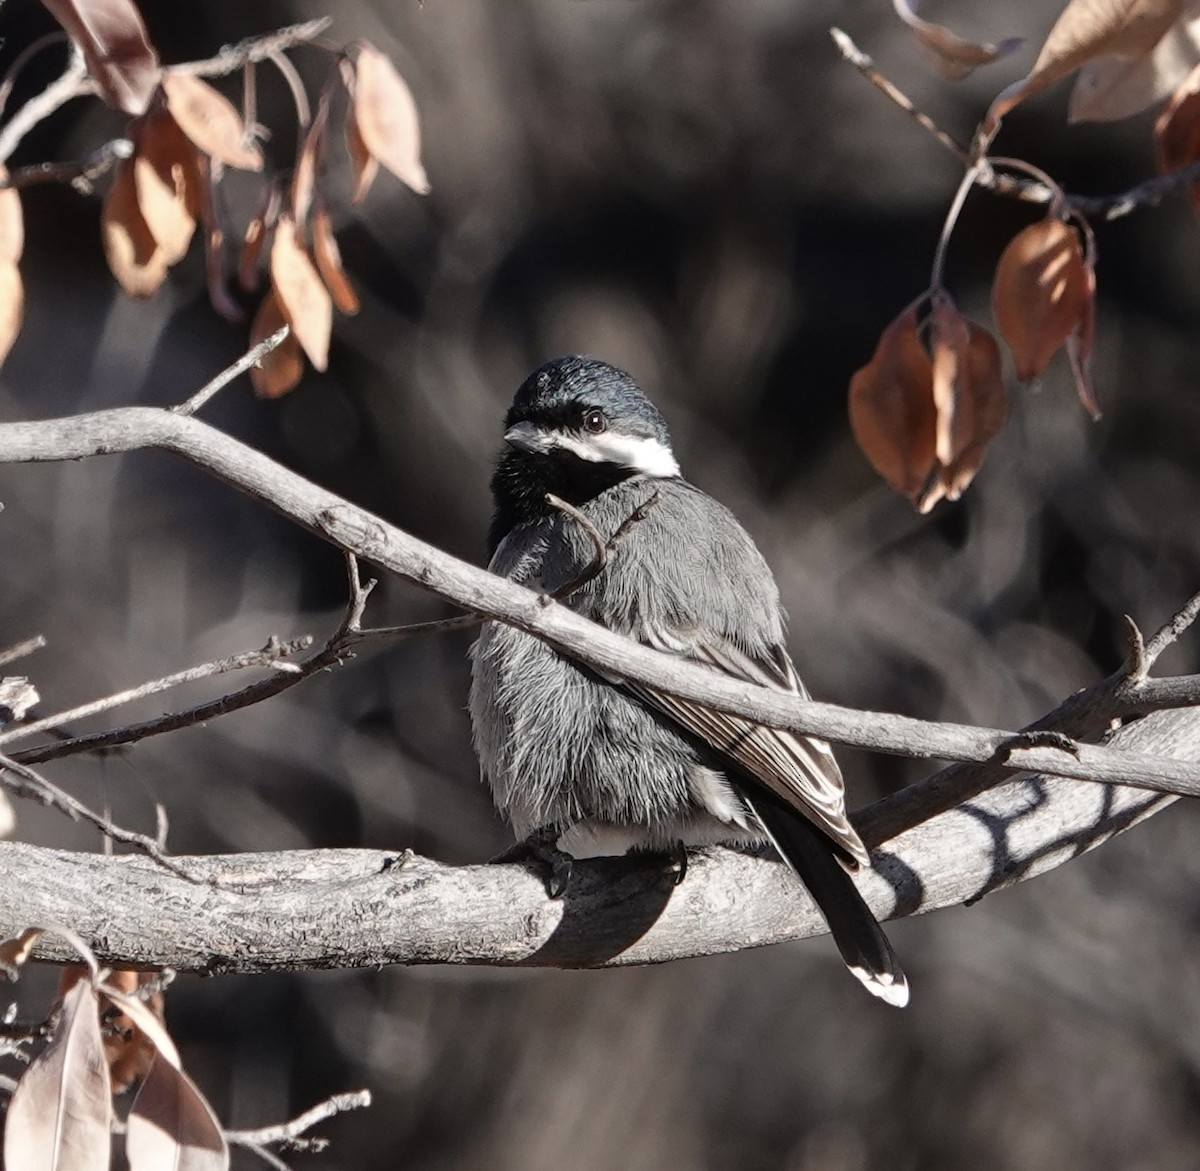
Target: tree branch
474,589
354,908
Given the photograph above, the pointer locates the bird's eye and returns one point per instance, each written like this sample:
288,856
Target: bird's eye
595,422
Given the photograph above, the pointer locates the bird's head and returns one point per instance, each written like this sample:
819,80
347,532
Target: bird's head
575,428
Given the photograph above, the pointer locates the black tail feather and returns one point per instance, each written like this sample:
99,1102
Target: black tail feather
858,936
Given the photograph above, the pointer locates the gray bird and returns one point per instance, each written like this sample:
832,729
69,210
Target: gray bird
581,765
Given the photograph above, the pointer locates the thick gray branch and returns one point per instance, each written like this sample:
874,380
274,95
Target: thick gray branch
133,428
349,908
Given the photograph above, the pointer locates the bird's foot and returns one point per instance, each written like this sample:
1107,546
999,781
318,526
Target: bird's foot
541,848
672,862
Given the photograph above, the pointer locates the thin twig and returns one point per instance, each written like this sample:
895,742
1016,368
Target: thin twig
299,95
20,649
1164,637
34,786
272,655
73,83
288,1133
81,174
58,36
255,49
252,357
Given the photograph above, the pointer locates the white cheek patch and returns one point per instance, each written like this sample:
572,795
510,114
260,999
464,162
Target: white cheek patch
636,452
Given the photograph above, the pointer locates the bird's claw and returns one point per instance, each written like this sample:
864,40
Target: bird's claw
541,848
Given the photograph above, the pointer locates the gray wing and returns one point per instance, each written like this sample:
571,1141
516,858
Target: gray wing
801,770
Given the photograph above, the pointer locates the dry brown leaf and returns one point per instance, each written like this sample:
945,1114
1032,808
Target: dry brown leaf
363,162
167,180
308,161
12,306
953,57
1087,30
281,369
385,114
60,1114
113,40
968,390
891,408
170,1123
258,231
1079,348
210,120
128,1050
12,222
302,294
14,952
329,261
134,256
1177,131
1111,88
1039,293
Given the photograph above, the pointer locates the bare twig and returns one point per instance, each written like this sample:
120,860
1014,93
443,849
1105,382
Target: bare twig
81,174
274,655
1186,615
255,49
73,83
57,37
299,96
20,649
252,357
22,781
288,1134
1102,207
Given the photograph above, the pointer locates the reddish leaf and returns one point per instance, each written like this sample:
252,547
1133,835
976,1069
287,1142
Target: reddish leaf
950,55
308,161
1087,30
210,120
386,117
134,256
258,231
302,294
329,262
60,1114
969,394
119,56
128,1050
1039,293
1079,348
891,408
1177,130
167,181
283,367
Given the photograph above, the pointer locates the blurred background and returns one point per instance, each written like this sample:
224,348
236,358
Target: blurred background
704,193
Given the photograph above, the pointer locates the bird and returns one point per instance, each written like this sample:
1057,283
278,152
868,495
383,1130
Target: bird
590,506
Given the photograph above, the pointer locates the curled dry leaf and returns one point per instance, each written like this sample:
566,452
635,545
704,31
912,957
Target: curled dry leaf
170,1123
308,161
210,120
113,40
1111,88
133,254
969,396
891,408
953,57
281,369
128,1049
1079,347
1039,293
329,262
1085,31
385,115
60,1114
305,301
1177,130
258,231
16,951
363,162
12,222
167,180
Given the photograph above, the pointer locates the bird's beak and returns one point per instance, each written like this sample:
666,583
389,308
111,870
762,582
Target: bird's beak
527,437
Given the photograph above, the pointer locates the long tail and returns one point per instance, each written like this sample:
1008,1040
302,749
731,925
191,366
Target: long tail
814,858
